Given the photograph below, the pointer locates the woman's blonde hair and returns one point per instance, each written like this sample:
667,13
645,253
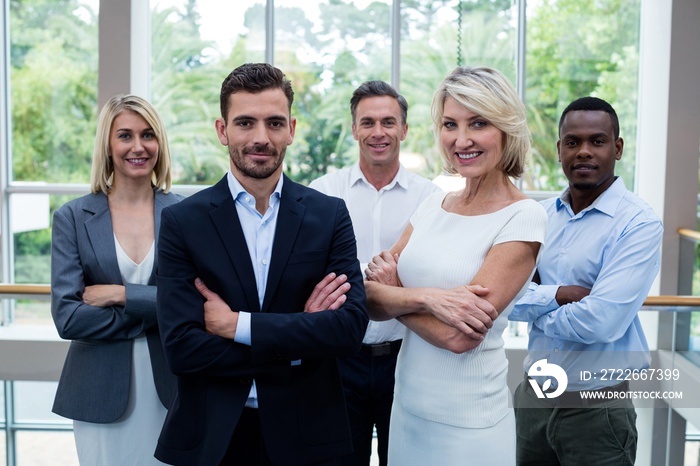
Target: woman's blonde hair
102,172
488,93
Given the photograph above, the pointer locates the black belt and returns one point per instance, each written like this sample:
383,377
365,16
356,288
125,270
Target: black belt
382,349
574,399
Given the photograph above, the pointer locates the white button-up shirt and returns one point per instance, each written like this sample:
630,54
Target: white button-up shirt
378,218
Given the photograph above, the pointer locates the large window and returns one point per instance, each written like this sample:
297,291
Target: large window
569,48
53,57
577,48
53,90
328,48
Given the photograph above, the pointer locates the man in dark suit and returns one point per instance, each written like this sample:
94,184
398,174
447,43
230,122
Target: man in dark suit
258,382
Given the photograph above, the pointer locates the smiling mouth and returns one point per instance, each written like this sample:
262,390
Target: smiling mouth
259,152
584,168
468,155
137,161
378,146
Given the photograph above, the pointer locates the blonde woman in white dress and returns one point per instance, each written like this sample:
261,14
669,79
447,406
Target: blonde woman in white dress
452,278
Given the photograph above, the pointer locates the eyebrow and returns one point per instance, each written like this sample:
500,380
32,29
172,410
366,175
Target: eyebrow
270,118
470,119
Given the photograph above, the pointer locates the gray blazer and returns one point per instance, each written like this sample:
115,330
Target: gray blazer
94,383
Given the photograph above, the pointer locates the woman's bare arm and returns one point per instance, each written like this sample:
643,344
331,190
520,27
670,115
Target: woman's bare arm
505,271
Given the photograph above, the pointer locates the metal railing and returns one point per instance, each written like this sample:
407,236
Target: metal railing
675,309
24,291
32,291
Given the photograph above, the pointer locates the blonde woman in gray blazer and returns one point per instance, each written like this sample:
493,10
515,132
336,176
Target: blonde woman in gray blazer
115,383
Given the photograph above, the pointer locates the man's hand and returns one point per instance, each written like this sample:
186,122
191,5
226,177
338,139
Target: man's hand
105,295
463,308
328,294
219,319
384,269
571,294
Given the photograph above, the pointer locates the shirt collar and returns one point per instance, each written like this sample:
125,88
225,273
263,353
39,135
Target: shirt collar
606,203
400,179
237,189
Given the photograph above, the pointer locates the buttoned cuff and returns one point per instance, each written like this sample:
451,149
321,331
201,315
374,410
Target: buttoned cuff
243,329
539,300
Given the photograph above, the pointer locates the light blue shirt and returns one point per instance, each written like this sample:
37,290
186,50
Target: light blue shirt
613,248
259,232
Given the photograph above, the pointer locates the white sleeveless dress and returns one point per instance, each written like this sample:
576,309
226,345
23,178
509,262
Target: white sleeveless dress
132,439
454,409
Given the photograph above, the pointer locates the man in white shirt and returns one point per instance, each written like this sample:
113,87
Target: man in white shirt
381,195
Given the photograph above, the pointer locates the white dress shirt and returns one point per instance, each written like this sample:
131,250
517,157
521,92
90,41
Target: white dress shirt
378,219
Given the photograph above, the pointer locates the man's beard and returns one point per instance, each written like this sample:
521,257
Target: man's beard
255,170
584,186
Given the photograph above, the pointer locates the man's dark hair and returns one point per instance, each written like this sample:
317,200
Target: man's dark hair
592,104
377,89
254,78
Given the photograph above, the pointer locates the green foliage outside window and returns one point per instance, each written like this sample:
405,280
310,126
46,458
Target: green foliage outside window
577,48
574,48
53,84
54,77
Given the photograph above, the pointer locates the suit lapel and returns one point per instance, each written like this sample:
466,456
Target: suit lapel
228,225
161,201
99,230
289,219
101,233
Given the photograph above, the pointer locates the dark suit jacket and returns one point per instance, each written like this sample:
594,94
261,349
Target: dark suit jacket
302,409
94,383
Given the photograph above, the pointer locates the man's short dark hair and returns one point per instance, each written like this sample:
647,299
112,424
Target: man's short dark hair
592,104
377,89
254,78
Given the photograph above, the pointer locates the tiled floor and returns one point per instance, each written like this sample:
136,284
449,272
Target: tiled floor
58,449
